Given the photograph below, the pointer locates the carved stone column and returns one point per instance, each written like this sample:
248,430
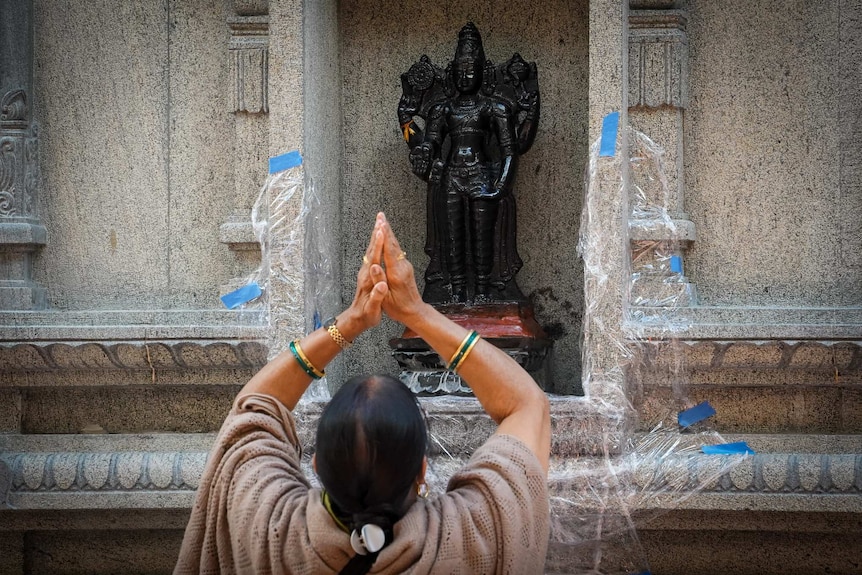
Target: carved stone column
248,52
21,232
658,96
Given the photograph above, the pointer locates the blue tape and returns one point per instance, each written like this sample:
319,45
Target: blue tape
317,324
243,295
738,447
285,162
608,144
695,414
676,264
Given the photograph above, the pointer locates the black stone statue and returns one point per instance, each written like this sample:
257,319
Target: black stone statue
475,121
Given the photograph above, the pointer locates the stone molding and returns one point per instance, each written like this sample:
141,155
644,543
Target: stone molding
14,111
827,356
99,356
103,472
794,473
249,63
658,59
745,323
457,426
57,480
40,342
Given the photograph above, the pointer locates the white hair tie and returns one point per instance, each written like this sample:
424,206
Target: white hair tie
369,539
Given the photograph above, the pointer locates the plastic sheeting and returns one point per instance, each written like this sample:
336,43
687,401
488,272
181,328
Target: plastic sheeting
594,497
296,276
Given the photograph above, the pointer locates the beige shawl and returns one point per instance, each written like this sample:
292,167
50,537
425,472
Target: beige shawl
255,512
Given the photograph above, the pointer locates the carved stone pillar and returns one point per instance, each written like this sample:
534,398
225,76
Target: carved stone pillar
248,52
249,57
21,232
658,96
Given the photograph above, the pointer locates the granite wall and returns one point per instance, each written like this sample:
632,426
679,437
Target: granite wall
772,138
136,142
155,120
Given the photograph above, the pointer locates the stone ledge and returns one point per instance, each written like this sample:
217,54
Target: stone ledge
457,426
756,521
745,323
239,234
809,503
26,235
135,325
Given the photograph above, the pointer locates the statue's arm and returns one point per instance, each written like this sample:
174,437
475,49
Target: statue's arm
426,155
503,122
435,131
530,123
530,102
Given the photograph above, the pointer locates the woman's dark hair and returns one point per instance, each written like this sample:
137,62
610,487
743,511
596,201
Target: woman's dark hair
371,440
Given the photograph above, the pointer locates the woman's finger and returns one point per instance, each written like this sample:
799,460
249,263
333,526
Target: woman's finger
392,249
377,273
377,246
373,248
378,294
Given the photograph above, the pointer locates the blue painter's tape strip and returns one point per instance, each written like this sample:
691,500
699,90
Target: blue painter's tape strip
285,162
695,414
738,447
676,264
243,295
608,146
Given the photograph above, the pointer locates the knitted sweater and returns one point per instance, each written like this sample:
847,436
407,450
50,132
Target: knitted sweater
255,511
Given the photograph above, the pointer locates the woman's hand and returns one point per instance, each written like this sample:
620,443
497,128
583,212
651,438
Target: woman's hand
402,302
371,287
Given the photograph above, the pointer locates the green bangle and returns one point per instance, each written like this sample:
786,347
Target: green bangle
304,362
463,350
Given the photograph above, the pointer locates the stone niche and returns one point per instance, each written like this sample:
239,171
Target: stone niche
369,164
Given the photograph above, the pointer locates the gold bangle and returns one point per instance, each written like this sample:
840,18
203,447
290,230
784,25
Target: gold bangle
463,350
304,362
337,337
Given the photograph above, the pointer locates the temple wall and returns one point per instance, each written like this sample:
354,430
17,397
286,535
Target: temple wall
137,147
772,133
154,121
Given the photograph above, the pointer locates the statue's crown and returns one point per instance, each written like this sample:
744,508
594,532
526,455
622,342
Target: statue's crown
469,40
469,32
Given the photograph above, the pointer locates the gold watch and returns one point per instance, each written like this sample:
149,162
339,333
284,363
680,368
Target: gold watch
335,334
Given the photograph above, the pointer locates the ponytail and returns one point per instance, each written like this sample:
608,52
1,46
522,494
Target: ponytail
371,441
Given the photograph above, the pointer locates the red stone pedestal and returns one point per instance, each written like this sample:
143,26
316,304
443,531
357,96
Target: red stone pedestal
510,326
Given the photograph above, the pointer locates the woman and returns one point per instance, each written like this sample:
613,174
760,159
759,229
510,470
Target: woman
256,513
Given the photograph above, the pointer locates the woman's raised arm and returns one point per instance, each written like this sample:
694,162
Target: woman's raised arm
286,377
505,390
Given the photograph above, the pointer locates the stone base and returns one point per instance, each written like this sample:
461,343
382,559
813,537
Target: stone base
25,296
510,326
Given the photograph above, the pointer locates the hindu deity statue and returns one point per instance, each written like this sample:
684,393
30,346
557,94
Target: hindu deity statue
466,127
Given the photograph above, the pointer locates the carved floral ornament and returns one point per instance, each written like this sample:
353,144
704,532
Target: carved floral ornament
14,110
71,472
19,161
8,175
97,356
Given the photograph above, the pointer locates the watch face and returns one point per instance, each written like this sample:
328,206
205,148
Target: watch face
329,322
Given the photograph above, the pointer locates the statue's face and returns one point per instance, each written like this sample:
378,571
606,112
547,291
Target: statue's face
468,74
